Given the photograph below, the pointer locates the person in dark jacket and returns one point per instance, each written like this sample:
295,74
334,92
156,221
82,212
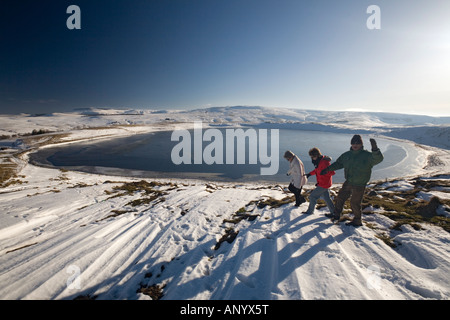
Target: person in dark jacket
357,164
324,182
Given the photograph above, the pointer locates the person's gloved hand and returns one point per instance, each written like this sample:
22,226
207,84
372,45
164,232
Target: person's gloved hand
324,171
374,144
307,175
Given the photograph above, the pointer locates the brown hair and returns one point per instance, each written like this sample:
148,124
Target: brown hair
314,152
288,154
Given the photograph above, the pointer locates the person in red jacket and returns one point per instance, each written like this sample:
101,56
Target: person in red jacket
324,181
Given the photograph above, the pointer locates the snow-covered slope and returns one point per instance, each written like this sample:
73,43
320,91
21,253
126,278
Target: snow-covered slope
65,234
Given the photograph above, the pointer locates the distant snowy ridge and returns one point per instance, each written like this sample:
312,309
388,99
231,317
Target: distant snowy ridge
433,131
435,136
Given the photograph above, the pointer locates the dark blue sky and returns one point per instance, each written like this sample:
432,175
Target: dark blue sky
195,53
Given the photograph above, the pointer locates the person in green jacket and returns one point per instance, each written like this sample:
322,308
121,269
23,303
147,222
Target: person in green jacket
357,164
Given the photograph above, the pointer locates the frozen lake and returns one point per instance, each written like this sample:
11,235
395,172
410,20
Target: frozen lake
149,156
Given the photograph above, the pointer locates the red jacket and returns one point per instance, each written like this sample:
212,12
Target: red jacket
324,181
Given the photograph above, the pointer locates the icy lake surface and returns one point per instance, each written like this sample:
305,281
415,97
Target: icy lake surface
149,156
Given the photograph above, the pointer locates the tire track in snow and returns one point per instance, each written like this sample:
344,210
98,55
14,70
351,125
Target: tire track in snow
172,231
66,247
111,265
363,253
31,264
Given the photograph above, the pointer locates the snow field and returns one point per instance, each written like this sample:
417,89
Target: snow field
282,254
68,234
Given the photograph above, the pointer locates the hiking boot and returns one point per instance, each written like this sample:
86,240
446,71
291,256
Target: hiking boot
297,204
354,223
333,217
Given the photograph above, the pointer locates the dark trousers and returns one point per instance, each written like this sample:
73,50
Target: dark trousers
299,199
356,193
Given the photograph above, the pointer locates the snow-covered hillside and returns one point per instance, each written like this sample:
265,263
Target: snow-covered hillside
67,235
384,123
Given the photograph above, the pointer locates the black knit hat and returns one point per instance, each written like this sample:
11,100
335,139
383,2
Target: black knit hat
356,139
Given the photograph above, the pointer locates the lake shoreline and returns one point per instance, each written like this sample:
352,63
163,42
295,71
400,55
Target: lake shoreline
39,157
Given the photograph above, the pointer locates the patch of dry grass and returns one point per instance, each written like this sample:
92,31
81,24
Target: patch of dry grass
154,291
150,194
404,208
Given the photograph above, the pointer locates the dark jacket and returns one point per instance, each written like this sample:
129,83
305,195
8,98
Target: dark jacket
357,165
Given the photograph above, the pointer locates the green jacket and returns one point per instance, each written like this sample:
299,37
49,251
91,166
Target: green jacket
357,165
